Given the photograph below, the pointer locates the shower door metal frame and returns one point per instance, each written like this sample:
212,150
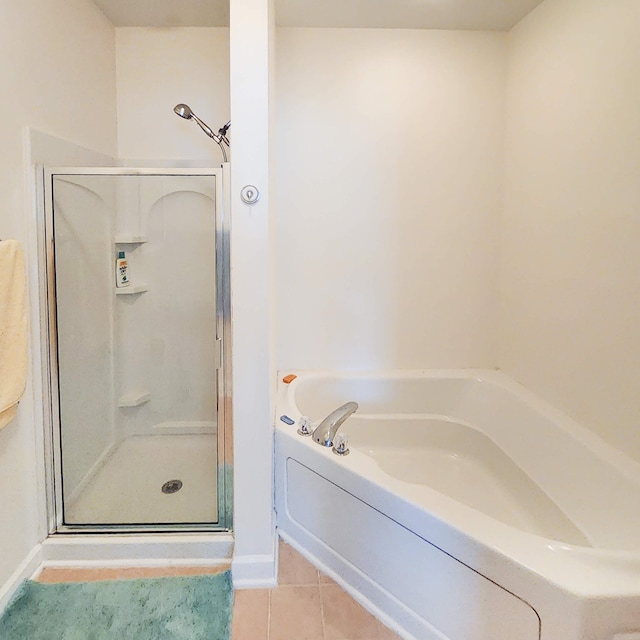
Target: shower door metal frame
52,441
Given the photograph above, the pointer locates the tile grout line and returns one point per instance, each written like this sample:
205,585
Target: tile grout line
324,633
269,616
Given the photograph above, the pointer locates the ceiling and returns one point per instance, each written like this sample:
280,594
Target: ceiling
166,13
494,15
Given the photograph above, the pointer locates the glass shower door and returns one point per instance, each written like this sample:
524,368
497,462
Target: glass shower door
139,326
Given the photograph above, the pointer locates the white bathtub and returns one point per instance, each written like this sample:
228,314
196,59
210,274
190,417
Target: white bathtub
467,508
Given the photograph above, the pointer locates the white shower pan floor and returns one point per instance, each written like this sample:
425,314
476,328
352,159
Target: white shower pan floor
127,488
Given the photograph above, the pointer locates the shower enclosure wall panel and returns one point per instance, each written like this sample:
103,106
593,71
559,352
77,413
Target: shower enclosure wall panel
165,345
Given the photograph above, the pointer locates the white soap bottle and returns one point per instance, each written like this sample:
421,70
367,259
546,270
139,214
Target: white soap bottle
122,270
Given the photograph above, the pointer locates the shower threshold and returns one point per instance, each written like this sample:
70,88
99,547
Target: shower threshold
138,550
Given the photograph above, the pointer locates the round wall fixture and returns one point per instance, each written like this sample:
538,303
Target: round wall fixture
250,194
172,486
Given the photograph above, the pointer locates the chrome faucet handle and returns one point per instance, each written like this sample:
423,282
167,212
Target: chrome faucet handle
304,426
340,444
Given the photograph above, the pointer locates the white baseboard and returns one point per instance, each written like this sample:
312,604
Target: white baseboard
254,572
24,571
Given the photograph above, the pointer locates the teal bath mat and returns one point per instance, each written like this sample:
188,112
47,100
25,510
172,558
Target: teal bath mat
182,608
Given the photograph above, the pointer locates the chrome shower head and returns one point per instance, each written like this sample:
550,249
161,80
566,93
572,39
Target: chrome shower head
184,111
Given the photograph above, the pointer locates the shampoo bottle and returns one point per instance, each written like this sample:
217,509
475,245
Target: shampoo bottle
122,271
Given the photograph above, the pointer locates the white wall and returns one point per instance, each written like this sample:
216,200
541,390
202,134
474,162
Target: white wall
159,68
252,33
389,165
570,307
57,68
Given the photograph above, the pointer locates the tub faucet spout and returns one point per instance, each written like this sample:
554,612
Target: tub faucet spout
325,432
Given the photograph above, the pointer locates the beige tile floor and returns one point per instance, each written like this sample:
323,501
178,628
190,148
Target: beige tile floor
306,605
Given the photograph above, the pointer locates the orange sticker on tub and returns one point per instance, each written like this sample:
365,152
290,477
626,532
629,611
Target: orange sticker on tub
290,378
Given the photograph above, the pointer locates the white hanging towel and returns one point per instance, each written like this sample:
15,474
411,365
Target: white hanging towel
13,329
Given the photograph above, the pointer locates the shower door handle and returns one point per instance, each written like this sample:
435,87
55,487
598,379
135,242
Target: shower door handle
218,354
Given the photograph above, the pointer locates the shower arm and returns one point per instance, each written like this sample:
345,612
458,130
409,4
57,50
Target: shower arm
214,136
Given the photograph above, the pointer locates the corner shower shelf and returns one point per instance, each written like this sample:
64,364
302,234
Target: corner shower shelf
132,290
134,399
129,239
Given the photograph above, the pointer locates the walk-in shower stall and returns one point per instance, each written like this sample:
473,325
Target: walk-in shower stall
138,304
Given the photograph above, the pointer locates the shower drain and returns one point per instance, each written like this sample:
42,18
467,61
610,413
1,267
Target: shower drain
172,486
